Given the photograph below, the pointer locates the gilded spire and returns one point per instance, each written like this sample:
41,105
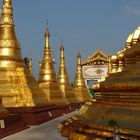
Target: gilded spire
79,80
7,13
47,50
47,72
9,45
62,75
47,77
80,90
47,36
63,78
109,64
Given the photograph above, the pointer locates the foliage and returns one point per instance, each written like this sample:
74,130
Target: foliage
26,61
113,123
91,91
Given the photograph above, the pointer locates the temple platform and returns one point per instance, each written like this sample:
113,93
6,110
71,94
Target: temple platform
11,124
64,109
39,115
74,106
34,115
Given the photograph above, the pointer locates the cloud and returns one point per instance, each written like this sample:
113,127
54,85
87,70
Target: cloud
132,11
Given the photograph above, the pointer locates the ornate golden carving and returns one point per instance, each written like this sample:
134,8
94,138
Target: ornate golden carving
97,55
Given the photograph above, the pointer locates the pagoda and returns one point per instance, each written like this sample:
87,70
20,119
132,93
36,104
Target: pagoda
19,90
63,79
80,90
116,103
47,78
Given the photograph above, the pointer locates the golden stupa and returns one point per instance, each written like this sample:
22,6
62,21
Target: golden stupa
18,88
63,79
116,103
80,90
47,76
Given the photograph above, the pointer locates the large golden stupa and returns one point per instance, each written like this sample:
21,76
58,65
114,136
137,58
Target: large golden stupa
18,88
79,89
47,76
63,79
115,107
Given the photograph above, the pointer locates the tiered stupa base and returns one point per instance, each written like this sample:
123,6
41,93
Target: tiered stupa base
13,123
54,96
70,97
82,94
53,93
94,119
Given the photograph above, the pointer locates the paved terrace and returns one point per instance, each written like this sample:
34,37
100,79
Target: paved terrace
46,131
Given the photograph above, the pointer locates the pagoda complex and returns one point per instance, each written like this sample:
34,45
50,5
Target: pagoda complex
63,79
79,89
19,90
47,78
115,107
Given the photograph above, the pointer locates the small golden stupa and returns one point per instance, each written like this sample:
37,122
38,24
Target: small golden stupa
18,88
63,79
116,103
80,90
47,76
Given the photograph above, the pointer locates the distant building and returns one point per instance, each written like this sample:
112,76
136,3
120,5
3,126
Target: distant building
95,67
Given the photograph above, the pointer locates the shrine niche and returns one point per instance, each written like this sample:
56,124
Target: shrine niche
95,67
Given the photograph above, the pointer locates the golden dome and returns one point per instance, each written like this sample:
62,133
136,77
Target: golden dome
7,1
121,56
114,58
96,86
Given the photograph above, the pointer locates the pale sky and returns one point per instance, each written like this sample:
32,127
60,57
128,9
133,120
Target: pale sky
83,25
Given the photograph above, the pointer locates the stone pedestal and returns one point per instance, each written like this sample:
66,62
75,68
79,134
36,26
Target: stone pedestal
12,124
34,115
